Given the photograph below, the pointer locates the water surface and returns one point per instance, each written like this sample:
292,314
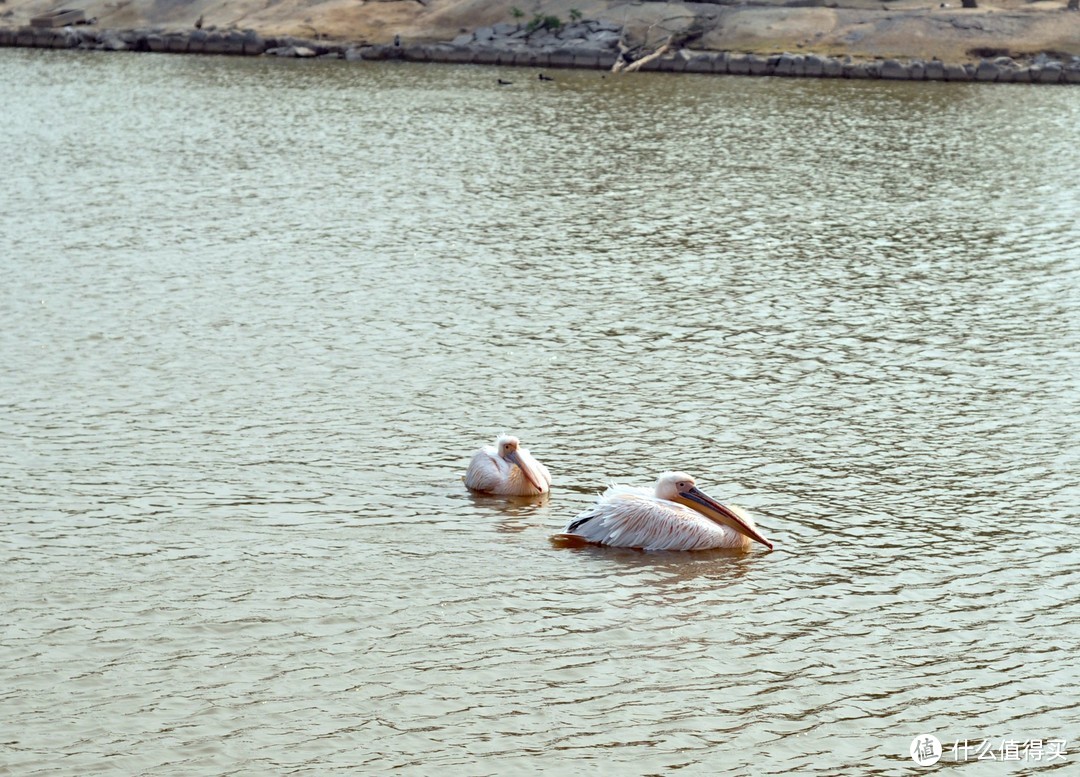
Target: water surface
258,314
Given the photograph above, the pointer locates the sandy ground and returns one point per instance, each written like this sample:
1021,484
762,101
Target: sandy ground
865,29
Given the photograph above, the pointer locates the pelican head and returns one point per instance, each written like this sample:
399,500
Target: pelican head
680,487
507,448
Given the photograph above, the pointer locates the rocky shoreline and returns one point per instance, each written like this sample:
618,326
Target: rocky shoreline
587,44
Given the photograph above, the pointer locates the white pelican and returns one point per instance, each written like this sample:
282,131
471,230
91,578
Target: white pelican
506,468
676,515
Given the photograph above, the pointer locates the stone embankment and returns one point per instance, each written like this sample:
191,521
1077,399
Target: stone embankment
583,44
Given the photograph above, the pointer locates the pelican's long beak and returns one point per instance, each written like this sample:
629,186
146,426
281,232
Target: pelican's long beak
525,470
698,500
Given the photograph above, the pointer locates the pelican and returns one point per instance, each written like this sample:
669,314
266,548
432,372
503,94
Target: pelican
506,468
675,515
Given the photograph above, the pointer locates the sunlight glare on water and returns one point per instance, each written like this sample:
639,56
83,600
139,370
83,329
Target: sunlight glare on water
259,314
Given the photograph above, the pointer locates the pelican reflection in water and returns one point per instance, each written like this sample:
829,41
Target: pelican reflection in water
675,515
506,468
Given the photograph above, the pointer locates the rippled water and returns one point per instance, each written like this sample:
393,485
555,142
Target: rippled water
258,314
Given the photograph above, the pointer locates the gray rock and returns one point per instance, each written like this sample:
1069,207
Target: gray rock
895,71
459,54
254,43
486,55
527,58
302,52
44,38
738,64
1050,73
788,65
586,58
857,70
833,68
484,34
957,73
935,70
701,62
177,44
814,65
111,41
599,26
543,38
504,29
758,66
215,43
987,71
416,52
561,58
463,40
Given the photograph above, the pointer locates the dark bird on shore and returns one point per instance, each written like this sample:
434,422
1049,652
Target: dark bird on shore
198,23
543,77
504,83
397,41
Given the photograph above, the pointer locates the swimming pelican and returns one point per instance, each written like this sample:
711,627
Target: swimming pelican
506,468
675,515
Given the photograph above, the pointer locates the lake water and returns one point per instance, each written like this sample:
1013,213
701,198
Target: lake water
258,314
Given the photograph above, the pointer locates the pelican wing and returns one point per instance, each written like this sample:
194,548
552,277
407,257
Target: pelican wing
487,471
628,517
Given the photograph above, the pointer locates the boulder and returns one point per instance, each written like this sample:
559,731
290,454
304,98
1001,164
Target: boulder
1048,74
959,73
757,66
895,71
738,64
788,65
987,71
177,43
701,62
